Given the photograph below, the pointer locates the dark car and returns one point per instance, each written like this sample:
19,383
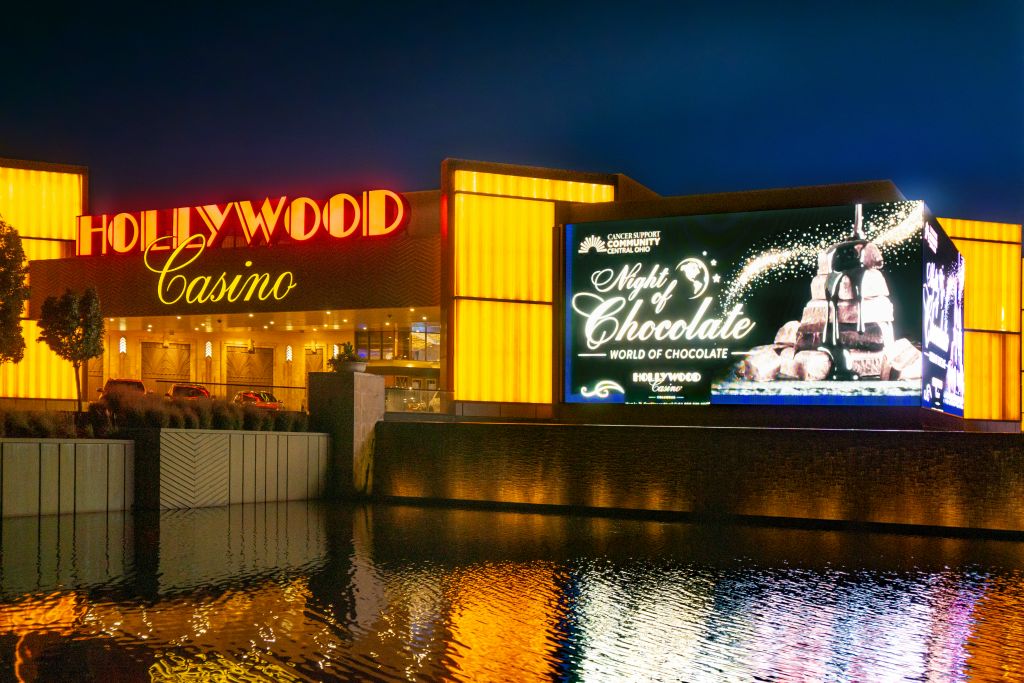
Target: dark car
130,387
188,391
263,400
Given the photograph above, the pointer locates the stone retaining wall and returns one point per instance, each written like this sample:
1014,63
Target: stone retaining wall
57,476
190,468
942,479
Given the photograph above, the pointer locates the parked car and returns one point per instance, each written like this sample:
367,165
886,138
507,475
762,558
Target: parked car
187,391
123,386
258,399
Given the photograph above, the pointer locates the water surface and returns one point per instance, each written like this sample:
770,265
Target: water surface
311,591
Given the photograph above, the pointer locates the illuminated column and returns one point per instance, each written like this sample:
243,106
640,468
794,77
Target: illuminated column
992,317
42,202
500,232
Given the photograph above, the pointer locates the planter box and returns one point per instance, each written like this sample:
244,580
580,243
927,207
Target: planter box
193,468
58,476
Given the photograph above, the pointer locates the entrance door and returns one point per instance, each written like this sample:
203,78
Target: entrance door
249,369
165,364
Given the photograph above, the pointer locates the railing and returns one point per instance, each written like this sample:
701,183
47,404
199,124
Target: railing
415,400
293,398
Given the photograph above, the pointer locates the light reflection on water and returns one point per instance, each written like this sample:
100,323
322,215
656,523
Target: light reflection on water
313,592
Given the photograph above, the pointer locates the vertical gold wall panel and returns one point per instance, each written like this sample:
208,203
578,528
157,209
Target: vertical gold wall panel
503,248
502,351
992,301
40,204
40,374
42,249
993,288
981,230
992,365
532,188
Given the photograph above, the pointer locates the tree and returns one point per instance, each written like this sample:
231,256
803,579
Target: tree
13,293
72,326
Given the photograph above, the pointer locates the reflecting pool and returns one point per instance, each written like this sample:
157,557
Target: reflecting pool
310,591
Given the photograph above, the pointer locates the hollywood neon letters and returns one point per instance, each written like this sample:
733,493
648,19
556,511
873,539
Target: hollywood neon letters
243,223
174,286
609,318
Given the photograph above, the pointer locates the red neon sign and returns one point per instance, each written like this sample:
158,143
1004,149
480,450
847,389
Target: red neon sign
275,220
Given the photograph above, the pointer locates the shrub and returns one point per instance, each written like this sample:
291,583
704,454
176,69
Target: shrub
301,422
16,424
226,415
191,418
251,418
283,421
156,417
98,420
203,409
42,425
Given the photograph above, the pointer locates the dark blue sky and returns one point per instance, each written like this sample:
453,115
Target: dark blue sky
214,104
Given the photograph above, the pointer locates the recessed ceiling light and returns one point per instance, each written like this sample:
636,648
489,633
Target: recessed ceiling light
250,315
178,317
327,312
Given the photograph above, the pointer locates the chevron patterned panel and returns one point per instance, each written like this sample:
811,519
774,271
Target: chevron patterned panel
193,469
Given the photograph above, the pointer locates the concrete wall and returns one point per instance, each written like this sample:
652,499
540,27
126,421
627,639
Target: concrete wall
348,405
55,476
937,479
189,468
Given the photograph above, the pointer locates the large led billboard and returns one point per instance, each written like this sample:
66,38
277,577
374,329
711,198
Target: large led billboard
847,305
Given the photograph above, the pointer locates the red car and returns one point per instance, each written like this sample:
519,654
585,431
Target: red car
188,391
258,399
123,386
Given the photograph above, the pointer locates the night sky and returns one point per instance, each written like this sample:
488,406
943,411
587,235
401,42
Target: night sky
184,108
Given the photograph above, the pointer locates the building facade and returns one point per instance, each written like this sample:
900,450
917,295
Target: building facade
458,296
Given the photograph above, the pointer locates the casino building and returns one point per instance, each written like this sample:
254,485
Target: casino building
522,292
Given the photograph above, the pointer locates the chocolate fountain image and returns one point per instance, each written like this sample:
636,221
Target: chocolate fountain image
846,329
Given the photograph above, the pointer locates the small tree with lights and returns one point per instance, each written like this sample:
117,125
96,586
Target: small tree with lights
13,293
72,326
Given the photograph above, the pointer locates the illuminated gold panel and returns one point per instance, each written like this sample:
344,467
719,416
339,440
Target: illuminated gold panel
981,230
993,288
992,365
40,374
502,352
42,249
503,248
532,188
41,203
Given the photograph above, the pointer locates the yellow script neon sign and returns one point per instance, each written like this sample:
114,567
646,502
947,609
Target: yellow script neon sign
174,286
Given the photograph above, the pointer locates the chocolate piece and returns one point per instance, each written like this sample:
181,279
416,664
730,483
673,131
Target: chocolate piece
874,310
787,333
864,363
902,361
875,337
787,368
872,284
849,255
761,364
812,365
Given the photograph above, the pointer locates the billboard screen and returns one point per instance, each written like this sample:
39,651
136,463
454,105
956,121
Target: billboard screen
819,306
